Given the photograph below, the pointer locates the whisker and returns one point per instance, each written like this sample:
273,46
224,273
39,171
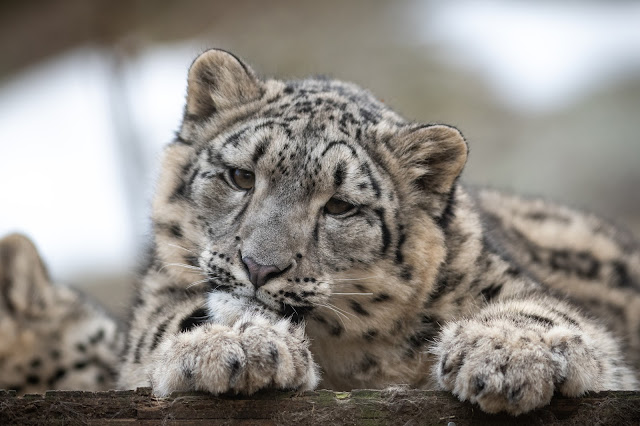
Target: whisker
182,265
199,282
340,315
341,310
183,248
355,279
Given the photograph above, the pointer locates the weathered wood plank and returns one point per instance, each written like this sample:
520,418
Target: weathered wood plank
359,407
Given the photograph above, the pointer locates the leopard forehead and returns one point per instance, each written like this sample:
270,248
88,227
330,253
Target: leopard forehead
313,135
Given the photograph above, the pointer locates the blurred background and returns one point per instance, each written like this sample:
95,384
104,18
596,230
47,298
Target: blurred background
546,92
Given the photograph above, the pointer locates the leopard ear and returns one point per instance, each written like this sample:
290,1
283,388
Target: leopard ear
434,155
218,80
25,287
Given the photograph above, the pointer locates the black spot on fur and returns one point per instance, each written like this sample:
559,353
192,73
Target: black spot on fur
427,332
138,352
368,362
335,144
175,230
382,297
386,236
96,338
444,368
445,283
565,317
370,335
406,274
401,240
374,183
539,319
234,138
515,394
491,292
448,213
162,328
273,352
357,308
234,366
338,175
80,365
35,363
455,366
336,330
587,266
245,325
620,276
315,232
59,374
32,379
260,150
360,288
196,318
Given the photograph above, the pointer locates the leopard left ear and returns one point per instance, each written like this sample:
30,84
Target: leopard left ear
25,287
217,81
434,155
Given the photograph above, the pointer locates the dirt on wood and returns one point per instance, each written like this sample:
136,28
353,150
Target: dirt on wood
360,407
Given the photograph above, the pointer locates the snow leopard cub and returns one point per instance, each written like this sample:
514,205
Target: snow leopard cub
51,337
305,234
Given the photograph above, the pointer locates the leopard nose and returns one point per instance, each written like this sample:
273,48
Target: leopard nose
260,274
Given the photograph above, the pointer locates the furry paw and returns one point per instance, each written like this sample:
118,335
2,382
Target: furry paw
500,368
252,354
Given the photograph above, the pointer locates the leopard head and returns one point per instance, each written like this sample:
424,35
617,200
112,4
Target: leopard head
310,196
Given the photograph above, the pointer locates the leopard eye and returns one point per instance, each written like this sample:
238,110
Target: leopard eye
337,207
243,179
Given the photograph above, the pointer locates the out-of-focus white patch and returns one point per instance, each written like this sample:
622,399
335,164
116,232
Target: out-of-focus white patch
536,55
59,173
62,176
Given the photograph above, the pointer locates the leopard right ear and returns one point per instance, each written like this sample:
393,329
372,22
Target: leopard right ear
219,80
25,287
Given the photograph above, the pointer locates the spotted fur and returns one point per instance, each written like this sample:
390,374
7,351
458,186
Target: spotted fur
421,281
51,337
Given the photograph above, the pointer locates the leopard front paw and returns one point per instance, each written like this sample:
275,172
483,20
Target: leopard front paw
501,369
252,355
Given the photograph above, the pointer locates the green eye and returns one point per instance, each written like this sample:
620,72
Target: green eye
337,207
243,179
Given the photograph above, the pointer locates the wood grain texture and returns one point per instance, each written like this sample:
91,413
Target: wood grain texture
359,407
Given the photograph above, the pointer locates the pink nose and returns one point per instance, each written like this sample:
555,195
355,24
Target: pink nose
260,274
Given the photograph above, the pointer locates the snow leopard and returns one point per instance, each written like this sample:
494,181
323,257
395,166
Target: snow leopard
305,234
51,336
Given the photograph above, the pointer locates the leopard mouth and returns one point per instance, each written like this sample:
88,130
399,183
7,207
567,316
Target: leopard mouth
295,313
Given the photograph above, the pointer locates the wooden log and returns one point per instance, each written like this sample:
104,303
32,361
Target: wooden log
359,407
